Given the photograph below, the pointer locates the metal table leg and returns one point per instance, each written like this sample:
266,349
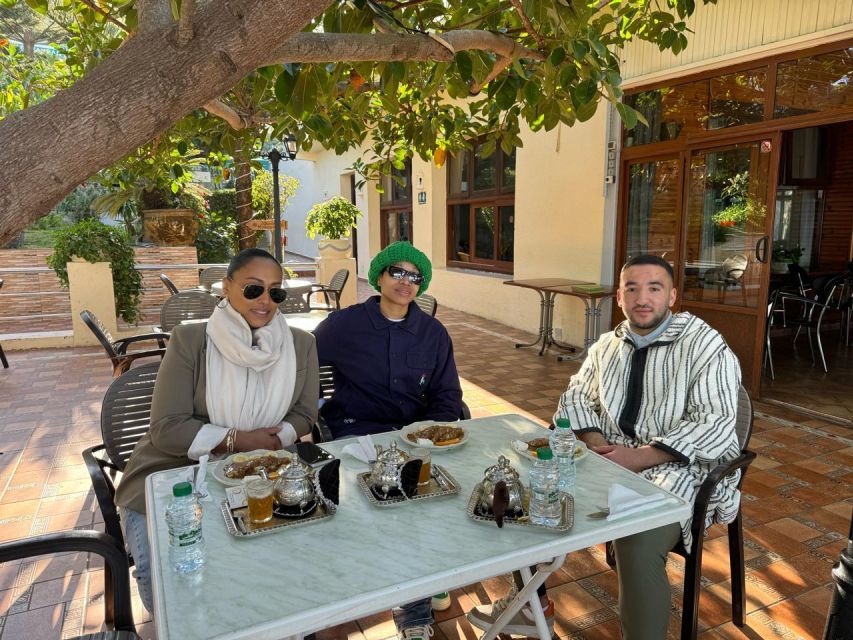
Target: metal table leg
543,321
592,321
528,595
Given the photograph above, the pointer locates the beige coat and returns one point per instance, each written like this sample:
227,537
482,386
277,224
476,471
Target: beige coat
179,407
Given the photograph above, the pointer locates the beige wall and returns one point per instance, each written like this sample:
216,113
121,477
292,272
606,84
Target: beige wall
731,31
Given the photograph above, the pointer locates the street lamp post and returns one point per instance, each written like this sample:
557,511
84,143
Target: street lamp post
275,157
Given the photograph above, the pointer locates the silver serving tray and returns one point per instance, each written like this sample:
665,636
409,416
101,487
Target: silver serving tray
441,483
567,519
238,525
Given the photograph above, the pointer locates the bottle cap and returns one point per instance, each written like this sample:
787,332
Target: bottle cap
544,453
182,489
563,423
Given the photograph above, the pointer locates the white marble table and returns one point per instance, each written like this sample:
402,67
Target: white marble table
365,560
294,287
306,321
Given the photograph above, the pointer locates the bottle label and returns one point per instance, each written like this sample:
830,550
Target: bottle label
548,497
186,539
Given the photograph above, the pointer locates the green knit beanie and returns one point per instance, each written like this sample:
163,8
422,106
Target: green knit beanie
400,252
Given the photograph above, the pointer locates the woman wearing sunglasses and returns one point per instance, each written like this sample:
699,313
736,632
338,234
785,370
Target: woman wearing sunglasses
393,365
242,381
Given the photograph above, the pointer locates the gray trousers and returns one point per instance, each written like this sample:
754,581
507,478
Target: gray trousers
644,593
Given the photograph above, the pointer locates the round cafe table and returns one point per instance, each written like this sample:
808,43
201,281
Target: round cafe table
294,287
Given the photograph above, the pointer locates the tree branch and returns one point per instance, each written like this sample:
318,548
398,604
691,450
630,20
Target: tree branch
185,22
499,66
234,118
527,24
106,15
364,47
154,15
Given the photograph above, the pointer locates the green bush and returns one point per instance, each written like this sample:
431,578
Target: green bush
77,205
96,242
217,238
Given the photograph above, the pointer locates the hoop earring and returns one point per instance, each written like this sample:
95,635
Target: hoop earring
222,303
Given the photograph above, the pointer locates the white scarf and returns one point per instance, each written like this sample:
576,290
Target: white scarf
248,386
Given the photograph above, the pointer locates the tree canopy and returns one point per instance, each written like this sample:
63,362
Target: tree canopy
402,76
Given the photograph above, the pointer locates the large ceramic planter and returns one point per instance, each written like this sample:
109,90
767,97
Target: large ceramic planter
335,249
170,227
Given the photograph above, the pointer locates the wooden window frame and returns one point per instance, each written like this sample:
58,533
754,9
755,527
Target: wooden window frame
499,196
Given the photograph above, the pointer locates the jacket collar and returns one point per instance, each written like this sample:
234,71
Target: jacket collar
412,323
678,325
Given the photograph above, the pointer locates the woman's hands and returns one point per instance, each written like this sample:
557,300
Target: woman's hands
266,438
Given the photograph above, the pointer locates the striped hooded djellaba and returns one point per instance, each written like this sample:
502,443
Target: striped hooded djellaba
678,393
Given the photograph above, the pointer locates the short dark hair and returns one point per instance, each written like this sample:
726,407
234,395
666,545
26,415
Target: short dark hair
647,258
245,257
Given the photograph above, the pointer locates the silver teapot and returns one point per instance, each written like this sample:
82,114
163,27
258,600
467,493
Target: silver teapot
294,488
502,472
385,472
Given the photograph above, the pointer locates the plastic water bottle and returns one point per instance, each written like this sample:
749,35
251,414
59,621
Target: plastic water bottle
183,517
544,493
563,446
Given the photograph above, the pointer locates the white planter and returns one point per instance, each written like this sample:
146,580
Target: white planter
335,249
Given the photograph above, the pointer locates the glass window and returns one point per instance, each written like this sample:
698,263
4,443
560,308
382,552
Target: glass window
670,112
653,208
397,187
814,83
395,205
737,98
481,226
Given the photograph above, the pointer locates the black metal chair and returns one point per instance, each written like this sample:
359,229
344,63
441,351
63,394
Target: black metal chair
167,282
3,355
693,555
117,603
834,298
186,305
427,303
334,288
211,275
125,418
117,349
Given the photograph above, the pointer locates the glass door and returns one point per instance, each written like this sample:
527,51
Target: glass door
726,265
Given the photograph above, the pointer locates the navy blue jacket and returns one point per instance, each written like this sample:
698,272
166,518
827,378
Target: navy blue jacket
387,374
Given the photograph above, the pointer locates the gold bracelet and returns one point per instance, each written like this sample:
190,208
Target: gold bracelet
229,440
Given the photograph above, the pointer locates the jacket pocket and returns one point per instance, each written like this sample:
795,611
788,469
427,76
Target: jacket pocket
416,360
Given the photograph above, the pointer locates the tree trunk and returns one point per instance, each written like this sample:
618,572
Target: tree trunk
243,190
147,85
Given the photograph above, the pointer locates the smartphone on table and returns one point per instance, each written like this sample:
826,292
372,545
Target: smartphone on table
311,454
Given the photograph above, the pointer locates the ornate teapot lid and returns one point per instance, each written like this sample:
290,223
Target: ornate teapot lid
295,470
392,456
501,471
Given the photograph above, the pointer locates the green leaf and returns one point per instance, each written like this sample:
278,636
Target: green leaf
586,111
557,56
39,6
182,147
464,65
628,115
532,93
284,85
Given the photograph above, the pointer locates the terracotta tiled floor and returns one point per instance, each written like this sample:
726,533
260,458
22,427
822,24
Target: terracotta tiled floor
797,503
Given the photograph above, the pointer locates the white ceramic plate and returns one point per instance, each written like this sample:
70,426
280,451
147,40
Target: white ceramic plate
426,444
218,468
520,447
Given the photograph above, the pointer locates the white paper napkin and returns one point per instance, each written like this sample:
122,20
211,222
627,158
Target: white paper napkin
622,501
200,484
362,448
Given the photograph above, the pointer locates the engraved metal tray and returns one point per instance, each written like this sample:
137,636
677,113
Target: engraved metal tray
238,525
441,483
567,513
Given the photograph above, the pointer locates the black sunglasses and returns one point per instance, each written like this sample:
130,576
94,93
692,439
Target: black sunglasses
398,273
252,291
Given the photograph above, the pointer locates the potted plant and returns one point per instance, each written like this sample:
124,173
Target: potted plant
333,219
154,192
93,241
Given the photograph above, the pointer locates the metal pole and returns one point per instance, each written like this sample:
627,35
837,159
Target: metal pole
275,158
839,623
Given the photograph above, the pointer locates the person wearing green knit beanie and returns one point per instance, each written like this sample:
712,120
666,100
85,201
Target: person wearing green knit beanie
401,251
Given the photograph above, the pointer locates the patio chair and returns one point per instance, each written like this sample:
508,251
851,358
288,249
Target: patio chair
117,349
427,303
186,305
116,573
693,555
334,288
210,275
294,304
320,432
167,282
125,418
728,275
3,355
836,297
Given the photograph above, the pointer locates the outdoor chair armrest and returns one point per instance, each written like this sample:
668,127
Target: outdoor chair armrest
97,466
121,345
706,490
320,431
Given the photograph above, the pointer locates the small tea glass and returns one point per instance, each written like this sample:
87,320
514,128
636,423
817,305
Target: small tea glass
426,465
259,497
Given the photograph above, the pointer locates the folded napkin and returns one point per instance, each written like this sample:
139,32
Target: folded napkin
622,501
362,449
201,480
